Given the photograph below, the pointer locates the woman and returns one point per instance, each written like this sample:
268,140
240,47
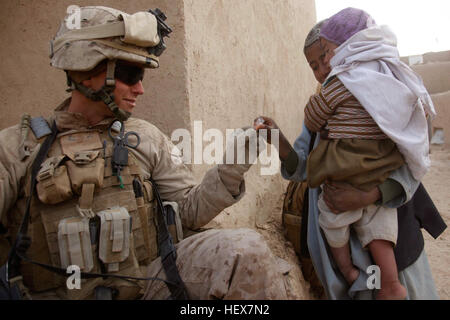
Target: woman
412,263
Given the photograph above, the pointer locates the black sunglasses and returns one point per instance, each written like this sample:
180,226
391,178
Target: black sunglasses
128,74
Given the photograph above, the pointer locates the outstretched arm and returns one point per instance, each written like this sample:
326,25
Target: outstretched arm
222,186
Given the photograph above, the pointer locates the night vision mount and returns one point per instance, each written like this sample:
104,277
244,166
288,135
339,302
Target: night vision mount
163,31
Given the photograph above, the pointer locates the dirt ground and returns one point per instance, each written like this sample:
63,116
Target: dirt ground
438,251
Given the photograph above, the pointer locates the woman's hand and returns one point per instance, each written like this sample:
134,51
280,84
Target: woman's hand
265,123
284,147
341,197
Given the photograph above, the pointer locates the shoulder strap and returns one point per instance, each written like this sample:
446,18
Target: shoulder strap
40,127
168,252
10,272
13,258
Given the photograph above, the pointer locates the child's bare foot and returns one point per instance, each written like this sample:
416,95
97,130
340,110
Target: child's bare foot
350,274
392,291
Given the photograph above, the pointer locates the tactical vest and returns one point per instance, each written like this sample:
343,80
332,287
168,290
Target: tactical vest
84,216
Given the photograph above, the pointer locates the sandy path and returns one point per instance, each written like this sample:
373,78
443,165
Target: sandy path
438,251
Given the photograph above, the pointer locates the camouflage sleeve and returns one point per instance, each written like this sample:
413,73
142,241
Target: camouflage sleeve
221,186
12,168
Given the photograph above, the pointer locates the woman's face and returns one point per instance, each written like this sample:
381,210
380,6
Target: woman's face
315,56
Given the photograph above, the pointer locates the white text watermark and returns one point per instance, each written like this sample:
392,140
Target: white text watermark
238,147
73,21
374,280
74,280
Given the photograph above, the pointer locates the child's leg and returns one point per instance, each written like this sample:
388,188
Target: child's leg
383,254
344,261
336,228
378,230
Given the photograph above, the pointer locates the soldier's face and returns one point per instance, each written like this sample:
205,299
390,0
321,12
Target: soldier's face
125,95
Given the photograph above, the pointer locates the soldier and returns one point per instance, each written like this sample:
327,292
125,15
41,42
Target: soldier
88,190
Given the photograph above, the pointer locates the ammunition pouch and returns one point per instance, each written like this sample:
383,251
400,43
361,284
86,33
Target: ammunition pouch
53,183
75,244
115,231
86,168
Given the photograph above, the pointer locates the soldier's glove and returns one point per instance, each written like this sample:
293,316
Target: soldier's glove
241,152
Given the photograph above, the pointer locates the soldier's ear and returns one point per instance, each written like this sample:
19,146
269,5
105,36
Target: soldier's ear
87,83
95,82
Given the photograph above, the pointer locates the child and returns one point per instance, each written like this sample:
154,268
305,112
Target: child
358,149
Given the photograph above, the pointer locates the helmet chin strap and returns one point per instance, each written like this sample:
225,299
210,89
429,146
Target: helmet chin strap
105,93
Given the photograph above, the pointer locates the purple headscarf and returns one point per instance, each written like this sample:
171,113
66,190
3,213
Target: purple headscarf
345,24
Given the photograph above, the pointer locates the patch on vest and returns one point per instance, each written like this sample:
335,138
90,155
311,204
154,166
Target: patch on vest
40,127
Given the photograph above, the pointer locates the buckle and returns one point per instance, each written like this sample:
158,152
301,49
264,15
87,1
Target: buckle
110,82
46,173
48,168
83,157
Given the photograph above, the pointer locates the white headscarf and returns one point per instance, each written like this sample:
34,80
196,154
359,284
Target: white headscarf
368,65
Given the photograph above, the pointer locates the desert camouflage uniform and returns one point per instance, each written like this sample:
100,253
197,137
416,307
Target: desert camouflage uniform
215,264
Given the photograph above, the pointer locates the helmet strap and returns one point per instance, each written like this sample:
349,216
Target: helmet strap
105,93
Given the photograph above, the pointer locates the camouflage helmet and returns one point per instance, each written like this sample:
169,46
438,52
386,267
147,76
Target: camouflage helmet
107,34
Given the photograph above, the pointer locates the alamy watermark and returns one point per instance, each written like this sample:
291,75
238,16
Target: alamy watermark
241,147
374,280
73,20
74,280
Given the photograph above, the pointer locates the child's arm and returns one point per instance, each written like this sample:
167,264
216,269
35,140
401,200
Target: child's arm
317,113
322,106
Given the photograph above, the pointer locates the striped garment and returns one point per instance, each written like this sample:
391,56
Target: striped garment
341,113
